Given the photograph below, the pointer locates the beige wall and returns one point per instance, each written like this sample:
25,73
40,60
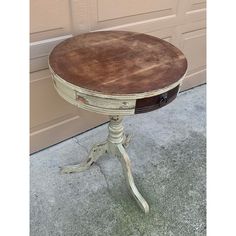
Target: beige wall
181,22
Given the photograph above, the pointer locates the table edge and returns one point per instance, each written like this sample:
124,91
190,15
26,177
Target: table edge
116,96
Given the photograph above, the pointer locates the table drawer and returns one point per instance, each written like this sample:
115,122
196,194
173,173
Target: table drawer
158,101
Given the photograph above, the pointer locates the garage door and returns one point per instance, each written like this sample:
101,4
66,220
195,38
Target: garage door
182,23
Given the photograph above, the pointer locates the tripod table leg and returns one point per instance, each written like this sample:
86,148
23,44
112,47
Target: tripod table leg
125,161
97,151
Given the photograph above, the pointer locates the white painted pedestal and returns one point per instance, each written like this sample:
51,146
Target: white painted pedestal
114,145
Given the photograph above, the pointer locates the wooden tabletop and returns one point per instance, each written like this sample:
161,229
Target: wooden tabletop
118,62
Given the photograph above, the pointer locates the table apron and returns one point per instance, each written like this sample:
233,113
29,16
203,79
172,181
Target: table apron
106,106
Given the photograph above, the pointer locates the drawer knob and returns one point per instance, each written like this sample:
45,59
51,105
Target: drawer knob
163,98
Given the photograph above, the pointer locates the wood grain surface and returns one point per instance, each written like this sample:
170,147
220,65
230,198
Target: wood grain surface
118,62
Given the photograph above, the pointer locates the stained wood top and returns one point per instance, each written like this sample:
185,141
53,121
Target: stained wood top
118,62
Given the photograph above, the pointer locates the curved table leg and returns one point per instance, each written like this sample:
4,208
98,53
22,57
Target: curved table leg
125,161
115,145
95,153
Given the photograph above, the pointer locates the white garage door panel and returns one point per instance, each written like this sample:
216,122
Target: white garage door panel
193,43
195,10
197,4
194,79
167,34
111,9
195,55
46,105
49,18
40,50
52,119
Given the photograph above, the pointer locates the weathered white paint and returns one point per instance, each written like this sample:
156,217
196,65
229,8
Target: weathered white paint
115,106
114,145
118,104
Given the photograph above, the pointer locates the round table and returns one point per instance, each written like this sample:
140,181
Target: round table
116,73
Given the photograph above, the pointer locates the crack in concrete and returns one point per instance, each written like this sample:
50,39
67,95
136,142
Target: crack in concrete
111,195
107,184
84,147
105,178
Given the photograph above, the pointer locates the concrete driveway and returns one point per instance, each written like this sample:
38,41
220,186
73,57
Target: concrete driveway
168,156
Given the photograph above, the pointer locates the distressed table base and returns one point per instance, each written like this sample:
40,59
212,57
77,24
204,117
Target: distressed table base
115,145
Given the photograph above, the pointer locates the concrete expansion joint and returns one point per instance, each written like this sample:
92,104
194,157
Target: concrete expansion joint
111,195
84,147
108,189
104,176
